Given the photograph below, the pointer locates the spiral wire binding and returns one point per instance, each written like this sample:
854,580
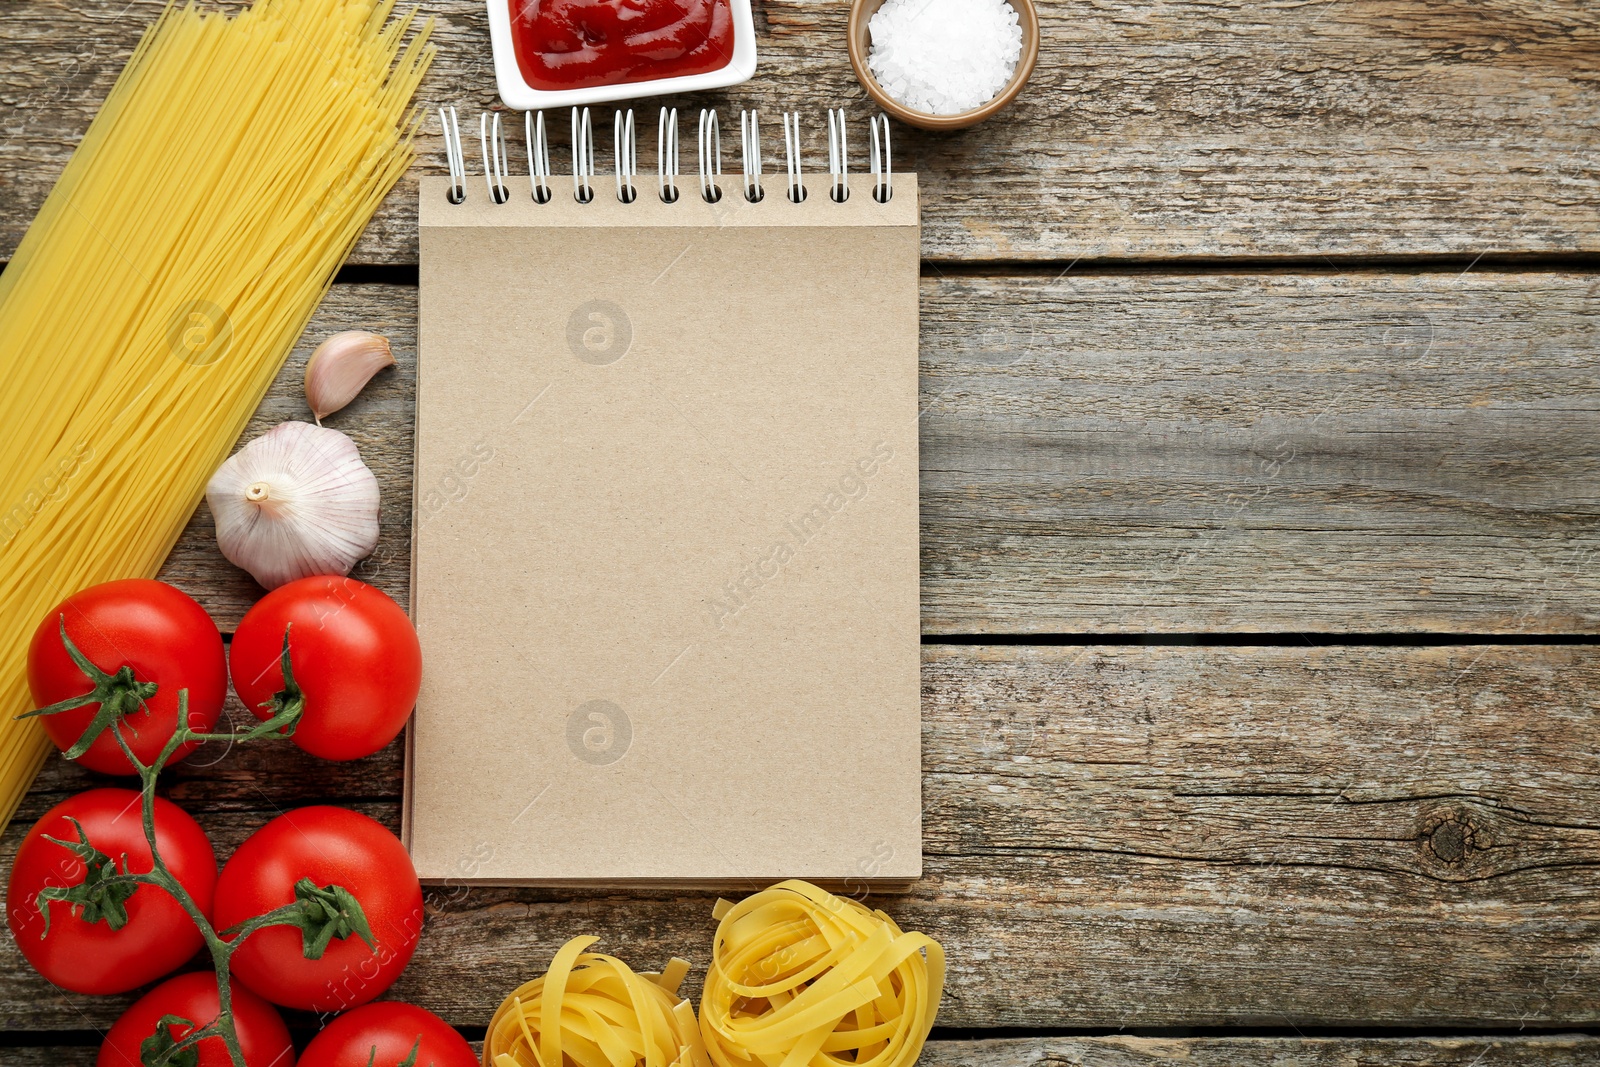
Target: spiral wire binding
710,155
882,171
626,149
494,158
750,142
496,169
667,155
538,156
582,157
791,145
838,158
453,157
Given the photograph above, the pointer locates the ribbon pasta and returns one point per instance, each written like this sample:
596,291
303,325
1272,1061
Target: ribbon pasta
591,1010
802,978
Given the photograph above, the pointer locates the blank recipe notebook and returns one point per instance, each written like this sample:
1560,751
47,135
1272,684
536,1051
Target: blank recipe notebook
665,557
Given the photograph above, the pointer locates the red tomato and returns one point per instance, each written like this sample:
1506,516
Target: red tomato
263,1038
383,1034
162,635
354,656
158,936
329,846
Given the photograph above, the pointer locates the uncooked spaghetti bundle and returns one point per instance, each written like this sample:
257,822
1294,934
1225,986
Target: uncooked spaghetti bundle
591,1010
164,281
802,978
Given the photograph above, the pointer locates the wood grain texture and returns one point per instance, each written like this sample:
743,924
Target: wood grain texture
1194,1051
1190,128
1120,1051
1116,1051
1340,452
1129,837
1128,453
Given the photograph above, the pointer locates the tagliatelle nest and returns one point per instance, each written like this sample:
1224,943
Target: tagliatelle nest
591,1010
802,978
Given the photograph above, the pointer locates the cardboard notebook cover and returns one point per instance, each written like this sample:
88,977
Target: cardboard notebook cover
665,561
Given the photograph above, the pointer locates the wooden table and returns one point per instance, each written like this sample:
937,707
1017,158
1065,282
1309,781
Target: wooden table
1261,535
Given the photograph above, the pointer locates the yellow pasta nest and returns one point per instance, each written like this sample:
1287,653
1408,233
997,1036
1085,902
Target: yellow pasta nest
802,978
591,1010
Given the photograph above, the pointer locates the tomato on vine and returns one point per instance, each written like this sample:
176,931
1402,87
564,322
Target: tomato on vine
119,652
356,664
176,1008
115,888
388,1033
332,949
78,921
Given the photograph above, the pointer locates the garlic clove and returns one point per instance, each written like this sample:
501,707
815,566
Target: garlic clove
294,502
341,367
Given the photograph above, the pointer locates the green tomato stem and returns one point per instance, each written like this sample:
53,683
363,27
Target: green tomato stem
219,950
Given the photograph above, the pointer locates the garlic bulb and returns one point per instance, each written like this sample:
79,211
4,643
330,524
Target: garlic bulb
294,502
341,367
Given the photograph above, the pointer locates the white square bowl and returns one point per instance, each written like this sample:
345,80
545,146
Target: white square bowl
520,96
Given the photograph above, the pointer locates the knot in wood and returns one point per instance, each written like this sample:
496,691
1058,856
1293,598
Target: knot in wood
1450,837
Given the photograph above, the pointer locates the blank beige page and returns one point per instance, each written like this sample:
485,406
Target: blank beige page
665,554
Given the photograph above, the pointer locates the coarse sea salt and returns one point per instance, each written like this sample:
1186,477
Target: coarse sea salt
944,56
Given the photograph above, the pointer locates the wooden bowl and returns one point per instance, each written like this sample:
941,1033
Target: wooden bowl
861,11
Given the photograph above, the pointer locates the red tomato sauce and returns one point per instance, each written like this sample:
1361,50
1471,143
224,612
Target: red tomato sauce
578,44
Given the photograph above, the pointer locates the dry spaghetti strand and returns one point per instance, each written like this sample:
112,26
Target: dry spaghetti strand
802,978
166,278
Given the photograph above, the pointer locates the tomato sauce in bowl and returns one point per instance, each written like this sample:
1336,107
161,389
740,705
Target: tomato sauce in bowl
579,44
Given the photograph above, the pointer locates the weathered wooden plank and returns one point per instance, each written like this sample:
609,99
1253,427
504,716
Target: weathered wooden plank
1555,1051
1340,452
1193,128
1132,453
1135,837
1118,1051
